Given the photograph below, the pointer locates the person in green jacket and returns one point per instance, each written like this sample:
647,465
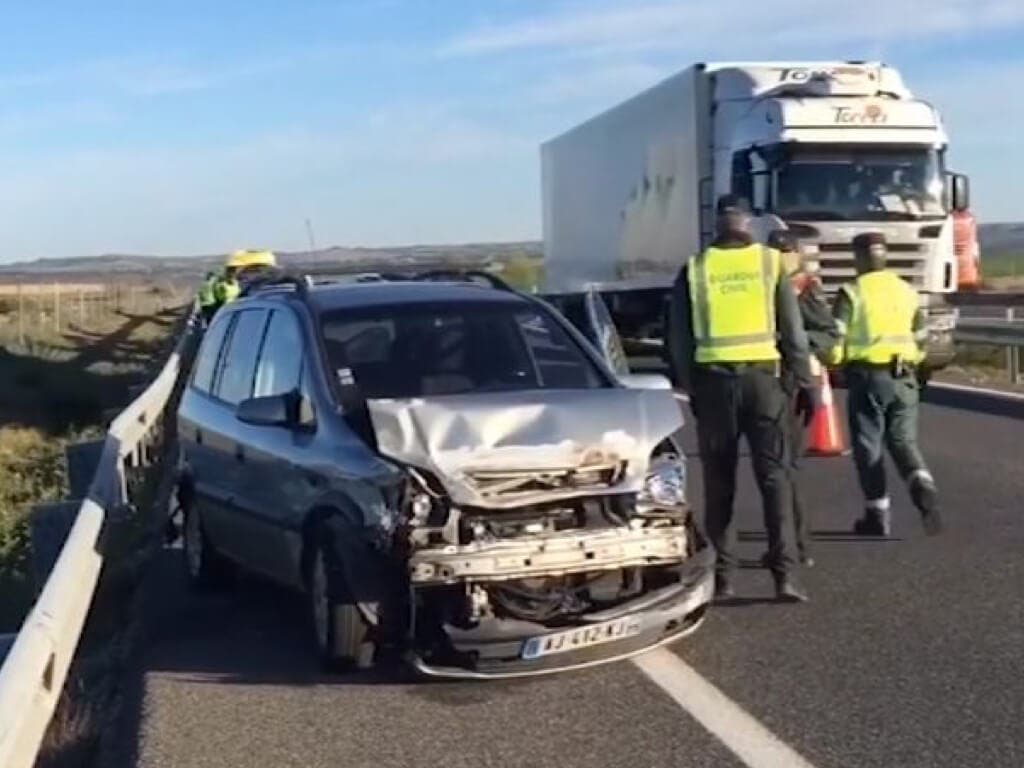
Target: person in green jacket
206,296
226,288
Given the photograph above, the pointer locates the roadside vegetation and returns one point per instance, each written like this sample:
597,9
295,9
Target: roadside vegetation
66,367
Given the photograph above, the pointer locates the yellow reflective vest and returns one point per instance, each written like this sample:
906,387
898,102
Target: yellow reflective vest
207,292
732,299
226,289
881,324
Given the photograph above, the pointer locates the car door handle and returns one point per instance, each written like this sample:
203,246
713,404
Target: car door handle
239,453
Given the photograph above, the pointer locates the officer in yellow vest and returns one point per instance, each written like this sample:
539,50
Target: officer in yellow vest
207,297
733,321
883,333
226,288
822,335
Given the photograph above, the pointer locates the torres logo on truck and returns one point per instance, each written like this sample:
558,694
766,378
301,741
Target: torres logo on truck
872,114
848,75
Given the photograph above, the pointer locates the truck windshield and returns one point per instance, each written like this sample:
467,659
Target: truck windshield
858,183
419,350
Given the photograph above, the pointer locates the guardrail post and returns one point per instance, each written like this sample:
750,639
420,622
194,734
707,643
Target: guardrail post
1012,354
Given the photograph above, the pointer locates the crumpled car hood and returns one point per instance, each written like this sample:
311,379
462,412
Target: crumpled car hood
471,442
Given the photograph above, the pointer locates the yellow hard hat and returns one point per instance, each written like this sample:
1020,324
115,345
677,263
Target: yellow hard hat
246,258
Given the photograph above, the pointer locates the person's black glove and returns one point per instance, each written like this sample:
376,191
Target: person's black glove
808,400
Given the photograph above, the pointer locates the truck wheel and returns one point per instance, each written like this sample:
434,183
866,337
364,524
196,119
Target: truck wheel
205,567
339,628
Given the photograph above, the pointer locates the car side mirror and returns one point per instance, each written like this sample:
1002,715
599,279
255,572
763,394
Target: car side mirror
645,381
271,410
960,192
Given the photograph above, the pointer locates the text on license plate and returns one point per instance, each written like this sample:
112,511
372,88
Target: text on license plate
581,637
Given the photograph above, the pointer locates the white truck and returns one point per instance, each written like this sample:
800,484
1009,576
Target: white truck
825,149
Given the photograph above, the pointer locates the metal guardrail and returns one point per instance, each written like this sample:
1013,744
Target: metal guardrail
987,299
1008,333
1000,333
36,666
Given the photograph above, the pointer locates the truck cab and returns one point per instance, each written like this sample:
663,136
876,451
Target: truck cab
830,151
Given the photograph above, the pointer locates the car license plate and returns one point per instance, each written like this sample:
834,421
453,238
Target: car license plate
581,637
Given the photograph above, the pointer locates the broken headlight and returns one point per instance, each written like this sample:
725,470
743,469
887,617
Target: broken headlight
665,485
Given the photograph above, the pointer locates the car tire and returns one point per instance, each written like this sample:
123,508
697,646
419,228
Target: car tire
206,568
339,629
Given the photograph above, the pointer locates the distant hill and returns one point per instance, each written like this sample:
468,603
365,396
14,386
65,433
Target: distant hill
466,256
1000,243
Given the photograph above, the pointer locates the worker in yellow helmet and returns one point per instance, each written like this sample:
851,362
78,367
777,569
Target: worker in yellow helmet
226,288
733,322
241,268
207,297
883,334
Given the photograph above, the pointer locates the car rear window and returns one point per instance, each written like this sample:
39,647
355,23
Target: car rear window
420,350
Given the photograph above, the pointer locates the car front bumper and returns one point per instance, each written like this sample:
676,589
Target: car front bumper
493,649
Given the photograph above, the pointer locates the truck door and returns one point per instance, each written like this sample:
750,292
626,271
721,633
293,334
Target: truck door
601,331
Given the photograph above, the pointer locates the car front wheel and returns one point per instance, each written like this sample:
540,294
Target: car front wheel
340,630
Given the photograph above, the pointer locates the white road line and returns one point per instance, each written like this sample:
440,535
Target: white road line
1003,394
745,737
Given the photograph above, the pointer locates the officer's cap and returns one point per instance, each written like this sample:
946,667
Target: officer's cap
869,242
732,204
783,240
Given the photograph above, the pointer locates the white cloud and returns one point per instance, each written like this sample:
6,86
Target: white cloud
729,25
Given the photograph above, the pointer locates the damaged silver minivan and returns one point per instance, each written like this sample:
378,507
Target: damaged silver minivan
451,472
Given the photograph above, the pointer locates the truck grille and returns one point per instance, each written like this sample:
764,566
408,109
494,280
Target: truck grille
837,265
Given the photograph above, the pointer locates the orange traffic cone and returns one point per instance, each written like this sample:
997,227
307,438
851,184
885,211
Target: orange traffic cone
826,438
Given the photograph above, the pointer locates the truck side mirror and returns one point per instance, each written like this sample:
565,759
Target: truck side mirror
960,192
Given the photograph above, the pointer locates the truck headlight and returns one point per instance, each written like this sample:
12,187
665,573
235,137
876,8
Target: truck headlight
665,485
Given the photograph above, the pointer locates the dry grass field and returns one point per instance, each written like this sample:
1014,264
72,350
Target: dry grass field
64,371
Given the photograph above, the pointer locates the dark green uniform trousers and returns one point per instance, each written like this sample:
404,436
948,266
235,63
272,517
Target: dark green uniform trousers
797,445
883,414
729,404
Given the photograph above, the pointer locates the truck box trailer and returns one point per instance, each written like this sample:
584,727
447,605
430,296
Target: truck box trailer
826,149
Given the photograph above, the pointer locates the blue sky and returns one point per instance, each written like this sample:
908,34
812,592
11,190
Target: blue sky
197,127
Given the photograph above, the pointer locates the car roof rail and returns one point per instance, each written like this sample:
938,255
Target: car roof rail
277,280
467,276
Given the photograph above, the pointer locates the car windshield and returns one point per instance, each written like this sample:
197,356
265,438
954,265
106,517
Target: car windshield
859,183
419,350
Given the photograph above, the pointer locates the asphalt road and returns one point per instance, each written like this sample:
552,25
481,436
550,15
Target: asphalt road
908,655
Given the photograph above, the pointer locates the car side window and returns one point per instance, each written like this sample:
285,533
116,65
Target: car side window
556,359
209,353
280,364
236,376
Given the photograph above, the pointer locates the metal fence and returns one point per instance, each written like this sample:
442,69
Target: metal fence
34,670
1003,328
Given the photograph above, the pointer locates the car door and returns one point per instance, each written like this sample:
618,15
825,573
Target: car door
601,330
228,524
198,411
278,466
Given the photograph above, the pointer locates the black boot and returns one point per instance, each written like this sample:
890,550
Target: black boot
805,560
874,523
723,587
926,500
788,591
